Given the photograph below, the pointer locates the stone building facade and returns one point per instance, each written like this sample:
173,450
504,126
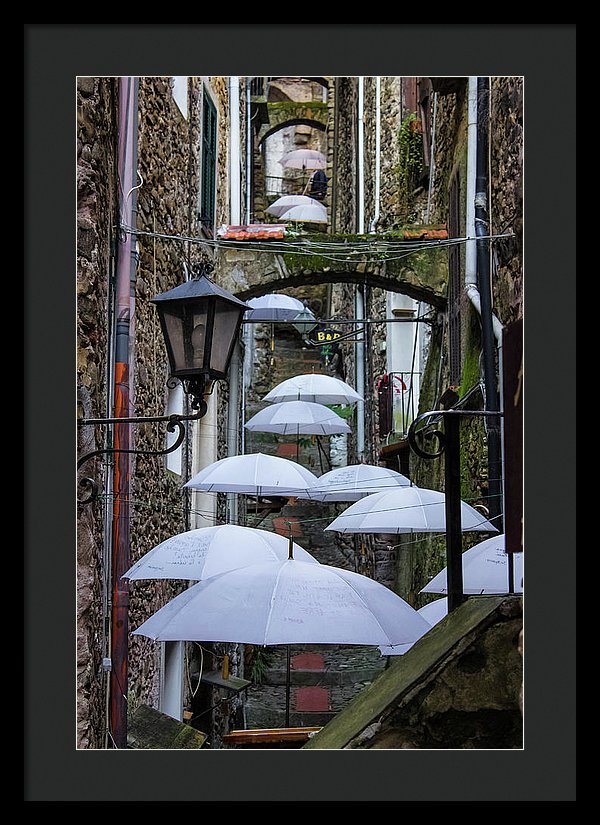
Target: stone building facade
168,135
382,196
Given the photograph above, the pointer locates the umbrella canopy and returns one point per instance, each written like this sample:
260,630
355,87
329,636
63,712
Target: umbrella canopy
354,482
287,602
286,202
309,212
255,474
432,612
273,307
315,387
297,418
208,551
485,570
405,510
304,159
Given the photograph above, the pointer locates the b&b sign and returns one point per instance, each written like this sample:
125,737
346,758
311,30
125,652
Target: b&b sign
326,336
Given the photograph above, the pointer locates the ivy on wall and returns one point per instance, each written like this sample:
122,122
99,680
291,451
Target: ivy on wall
410,162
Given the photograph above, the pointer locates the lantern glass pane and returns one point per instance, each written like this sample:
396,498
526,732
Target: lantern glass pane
186,331
227,319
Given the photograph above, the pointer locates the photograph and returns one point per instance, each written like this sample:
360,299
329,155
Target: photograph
300,392
282,322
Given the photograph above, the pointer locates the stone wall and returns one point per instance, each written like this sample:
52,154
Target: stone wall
167,203
506,178
96,215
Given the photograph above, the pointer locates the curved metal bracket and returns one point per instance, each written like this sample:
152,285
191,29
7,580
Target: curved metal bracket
414,432
91,487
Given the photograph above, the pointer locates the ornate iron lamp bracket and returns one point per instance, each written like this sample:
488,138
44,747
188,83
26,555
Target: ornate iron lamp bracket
89,487
449,442
426,432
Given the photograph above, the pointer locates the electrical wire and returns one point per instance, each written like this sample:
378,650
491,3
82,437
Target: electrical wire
322,249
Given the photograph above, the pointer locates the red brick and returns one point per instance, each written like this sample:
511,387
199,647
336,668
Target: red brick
311,699
308,661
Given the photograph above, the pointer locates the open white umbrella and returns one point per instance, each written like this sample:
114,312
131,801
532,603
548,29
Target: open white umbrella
297,418
286,202
287,602
304,159
315,387
405,510
255,474
354,482
433,612
208,551
306,212
485,570
273,307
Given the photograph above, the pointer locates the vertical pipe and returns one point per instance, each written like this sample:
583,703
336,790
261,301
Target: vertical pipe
122,471
431,160
359,307
234,151
233,424
288,667
485,291
373,225
453,512
471,245
249,153
361,158
233,414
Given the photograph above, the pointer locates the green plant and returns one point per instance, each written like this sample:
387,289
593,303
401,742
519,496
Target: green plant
410,160
261,662
343,411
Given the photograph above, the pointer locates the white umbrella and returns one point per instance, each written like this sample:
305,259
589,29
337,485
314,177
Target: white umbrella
255,474
485,570
433,612
208,551
286,202
284,603
307,212
354,482
273,307
316,387
297,418
405,510
304,159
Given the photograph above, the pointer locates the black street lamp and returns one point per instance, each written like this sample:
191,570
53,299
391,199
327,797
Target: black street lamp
200,322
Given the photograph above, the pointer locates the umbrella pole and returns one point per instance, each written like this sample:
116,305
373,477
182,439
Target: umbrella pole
453,513
511,573
287,687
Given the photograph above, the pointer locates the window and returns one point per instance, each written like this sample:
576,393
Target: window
208,162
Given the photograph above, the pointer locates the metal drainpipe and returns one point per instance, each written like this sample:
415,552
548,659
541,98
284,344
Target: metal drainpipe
233,411
359,307
377,153
126,265
249,152
481,221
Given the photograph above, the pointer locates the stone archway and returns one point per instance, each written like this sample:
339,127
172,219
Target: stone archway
250,271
